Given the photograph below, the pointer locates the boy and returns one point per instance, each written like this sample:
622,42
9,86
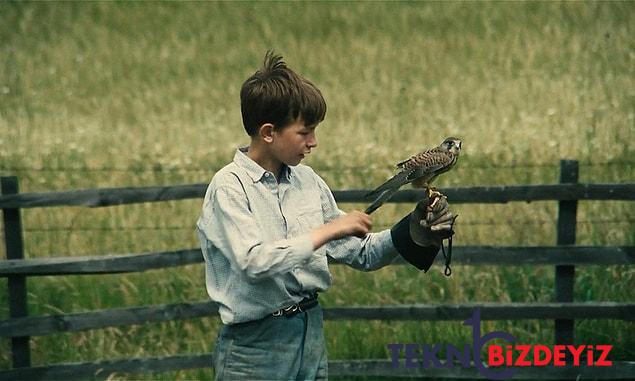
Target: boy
268,225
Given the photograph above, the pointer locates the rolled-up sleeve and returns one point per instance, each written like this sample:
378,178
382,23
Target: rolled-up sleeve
229,225
372,252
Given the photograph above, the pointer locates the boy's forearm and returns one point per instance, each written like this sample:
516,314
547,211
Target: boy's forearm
373,252
322,235
271,258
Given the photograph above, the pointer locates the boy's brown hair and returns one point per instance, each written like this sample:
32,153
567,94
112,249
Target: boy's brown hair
276,94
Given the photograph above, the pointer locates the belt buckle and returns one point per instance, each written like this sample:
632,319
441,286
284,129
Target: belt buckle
295,308
291,310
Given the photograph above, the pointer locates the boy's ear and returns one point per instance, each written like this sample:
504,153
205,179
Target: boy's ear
266,132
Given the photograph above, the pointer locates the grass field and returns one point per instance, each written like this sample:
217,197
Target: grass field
106,94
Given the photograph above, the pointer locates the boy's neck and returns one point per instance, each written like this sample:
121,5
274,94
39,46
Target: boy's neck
259,154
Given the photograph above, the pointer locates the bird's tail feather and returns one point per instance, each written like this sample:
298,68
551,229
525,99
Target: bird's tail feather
394,182
379,201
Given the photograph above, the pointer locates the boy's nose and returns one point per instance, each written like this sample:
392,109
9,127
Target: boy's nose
312,142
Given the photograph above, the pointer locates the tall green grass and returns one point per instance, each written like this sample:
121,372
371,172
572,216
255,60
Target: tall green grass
133,94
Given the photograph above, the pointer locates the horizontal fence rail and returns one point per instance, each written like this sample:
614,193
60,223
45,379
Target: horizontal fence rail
102,264
622,370
46,325
117,317
479,194
463,255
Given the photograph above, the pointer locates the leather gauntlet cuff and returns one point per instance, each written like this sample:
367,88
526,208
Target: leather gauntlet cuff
420,257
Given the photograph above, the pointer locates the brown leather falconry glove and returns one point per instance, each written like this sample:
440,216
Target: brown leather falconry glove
431,221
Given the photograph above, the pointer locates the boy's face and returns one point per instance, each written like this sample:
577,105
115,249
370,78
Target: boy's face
292,143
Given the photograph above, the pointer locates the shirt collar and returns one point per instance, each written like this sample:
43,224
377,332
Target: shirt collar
255,171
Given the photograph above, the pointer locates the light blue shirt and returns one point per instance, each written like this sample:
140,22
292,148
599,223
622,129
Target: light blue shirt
255,237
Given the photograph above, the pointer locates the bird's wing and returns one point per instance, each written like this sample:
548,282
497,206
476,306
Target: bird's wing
408,161
426,163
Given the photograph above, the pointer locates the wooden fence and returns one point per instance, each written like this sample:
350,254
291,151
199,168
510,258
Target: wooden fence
565,256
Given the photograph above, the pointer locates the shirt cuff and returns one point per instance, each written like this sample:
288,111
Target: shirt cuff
302,247
421,257
386,245
385,248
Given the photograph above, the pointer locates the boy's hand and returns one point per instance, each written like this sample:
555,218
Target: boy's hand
356,224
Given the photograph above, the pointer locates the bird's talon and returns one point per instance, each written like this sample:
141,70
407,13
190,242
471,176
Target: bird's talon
434,193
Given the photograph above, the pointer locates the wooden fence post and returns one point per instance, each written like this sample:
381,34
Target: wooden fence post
17,283
565,274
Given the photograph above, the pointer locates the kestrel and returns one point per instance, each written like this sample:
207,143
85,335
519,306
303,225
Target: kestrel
420,170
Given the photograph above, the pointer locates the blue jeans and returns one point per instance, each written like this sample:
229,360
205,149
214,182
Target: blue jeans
273,348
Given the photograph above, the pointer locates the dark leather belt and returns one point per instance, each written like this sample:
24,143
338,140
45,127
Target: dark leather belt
294,309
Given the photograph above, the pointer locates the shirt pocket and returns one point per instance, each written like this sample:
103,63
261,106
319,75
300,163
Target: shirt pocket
309,219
